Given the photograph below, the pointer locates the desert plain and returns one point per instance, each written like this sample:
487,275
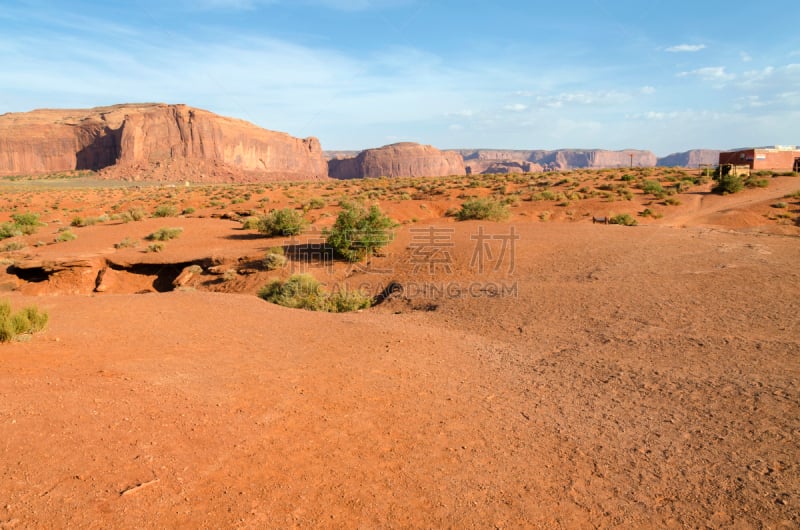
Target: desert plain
543,371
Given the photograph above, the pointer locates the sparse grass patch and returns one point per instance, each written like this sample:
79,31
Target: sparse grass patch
66,235
21,224
652,186
303,291
275,258
165,234
155,247
26,321
134,214
625,219
128,242
250,223
13,245
483,209
316,203
165,210
79,221
756,183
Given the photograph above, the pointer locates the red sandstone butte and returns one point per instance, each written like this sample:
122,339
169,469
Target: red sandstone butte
158,141
405,159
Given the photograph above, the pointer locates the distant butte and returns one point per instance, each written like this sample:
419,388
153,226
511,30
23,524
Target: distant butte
405,159
154,142
161,142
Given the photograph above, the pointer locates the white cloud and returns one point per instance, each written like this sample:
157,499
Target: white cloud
647,90
583,99
710,73
746,58
516,107
682,48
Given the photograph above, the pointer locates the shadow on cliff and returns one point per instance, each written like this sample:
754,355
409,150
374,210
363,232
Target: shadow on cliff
102,151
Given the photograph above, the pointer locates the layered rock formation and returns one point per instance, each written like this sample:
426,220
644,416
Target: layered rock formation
154,141
489,160
691,159
404,159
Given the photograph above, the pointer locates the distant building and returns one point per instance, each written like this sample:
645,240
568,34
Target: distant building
778,158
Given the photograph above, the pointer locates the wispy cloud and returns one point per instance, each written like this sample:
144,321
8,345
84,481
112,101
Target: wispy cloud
583,98
746,58
684,48
709,73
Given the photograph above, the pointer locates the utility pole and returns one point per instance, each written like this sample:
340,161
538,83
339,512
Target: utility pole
631,155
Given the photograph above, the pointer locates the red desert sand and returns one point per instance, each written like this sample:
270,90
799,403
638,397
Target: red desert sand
539,372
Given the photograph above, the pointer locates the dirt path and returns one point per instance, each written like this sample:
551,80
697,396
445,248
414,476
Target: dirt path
710,209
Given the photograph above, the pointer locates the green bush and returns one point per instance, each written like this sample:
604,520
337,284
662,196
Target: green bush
652,186
756,183
250,223
729,184
165,234
358,232
9,230
625,219
26,221
134,214
285,222
79,221
165,210
300,291
21,224
275,258
316,203
28,320
345,301
66,235
156,247
483,209
303,291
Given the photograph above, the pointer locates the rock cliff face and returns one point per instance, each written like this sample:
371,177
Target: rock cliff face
166,142
398,160
692,159
489,160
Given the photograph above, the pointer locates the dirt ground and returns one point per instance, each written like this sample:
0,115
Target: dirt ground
542,372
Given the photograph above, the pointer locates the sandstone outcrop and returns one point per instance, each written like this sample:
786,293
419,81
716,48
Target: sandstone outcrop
153,141
488,160
691,159
404,159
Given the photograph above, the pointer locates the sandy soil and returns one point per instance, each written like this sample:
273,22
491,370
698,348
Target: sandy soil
597,376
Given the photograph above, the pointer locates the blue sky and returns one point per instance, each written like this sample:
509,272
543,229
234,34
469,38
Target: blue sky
661,75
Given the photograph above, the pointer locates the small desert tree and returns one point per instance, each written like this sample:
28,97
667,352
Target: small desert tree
285,222
359,232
